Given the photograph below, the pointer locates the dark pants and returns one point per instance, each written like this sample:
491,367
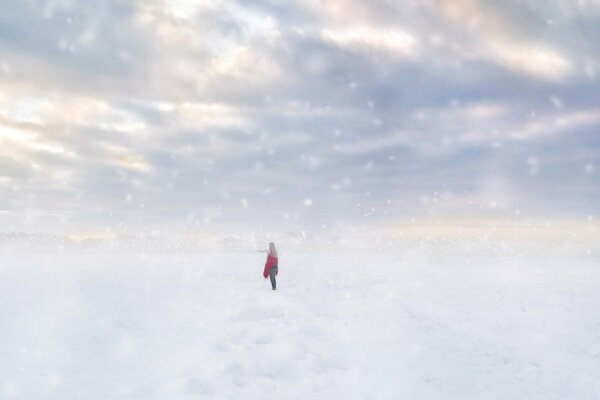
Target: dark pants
272,273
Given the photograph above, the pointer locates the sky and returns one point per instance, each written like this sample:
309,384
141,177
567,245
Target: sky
130,116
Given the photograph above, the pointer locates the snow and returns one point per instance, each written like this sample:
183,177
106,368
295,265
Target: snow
413,323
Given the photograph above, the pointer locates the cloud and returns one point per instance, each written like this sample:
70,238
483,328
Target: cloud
563,122
532,60
363,39
134,163
246,66
507,39
162,109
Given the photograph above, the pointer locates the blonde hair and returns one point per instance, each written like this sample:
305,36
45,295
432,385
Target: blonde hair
272,249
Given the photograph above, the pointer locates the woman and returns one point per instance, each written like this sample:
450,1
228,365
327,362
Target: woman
271,266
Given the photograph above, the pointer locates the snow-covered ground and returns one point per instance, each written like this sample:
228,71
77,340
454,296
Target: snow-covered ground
410,324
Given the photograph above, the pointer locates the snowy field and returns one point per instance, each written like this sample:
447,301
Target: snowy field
411,324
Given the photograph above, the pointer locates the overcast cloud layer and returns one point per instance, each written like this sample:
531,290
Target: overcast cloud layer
143,114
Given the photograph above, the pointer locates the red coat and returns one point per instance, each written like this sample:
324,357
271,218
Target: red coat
271,262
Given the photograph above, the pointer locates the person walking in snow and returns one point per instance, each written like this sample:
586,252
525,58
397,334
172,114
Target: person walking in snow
271,266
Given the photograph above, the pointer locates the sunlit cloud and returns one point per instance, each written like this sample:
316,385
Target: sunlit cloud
107,117
25,109
245,65
18,135
532,60
563,122
363,39
505,41
30,140
211,115
133,163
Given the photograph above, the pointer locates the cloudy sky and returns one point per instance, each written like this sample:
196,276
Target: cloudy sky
180,114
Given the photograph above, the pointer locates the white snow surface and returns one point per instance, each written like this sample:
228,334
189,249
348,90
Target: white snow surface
409,324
